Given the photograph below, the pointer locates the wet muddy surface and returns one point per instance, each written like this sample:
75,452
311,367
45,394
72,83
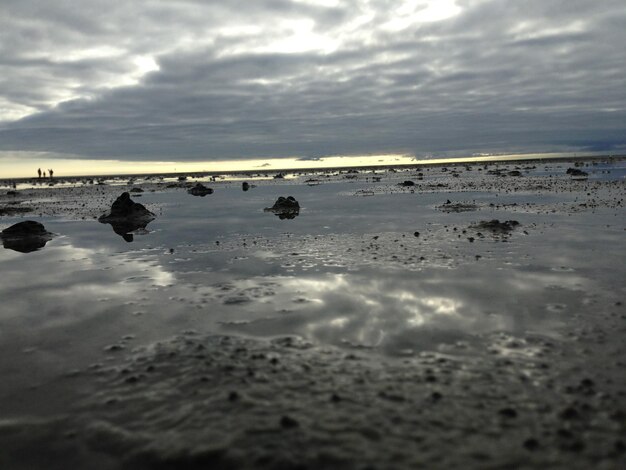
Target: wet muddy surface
471,320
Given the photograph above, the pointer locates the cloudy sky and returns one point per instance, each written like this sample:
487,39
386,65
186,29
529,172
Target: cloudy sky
208,80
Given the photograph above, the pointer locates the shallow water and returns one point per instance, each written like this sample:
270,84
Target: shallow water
347,271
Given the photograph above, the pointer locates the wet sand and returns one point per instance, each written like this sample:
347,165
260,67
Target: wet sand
547,392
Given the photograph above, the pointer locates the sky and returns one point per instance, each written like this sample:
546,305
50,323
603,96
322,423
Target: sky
205,81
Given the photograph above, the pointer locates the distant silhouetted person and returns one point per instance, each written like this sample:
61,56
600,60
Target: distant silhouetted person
39,172
44,173
51,173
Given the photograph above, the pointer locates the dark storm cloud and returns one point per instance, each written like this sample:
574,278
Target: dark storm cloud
191,80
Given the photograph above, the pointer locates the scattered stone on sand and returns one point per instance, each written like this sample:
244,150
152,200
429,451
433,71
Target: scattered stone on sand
25,237
496,226
14,210
576,172
200,190
285,208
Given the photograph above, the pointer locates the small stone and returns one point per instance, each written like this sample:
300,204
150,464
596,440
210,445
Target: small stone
508,413
587,383
569,413
531,444
287,422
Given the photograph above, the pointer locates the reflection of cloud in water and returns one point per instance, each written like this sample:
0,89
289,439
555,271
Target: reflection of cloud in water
68,284
416,310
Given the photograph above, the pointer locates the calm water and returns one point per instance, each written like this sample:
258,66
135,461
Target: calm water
347,271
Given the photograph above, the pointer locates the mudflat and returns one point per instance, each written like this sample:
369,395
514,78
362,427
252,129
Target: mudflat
460,316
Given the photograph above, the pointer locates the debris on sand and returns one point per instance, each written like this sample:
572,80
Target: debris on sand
200,190
450,206
26,236
285,207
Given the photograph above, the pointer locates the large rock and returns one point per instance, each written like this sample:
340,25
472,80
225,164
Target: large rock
124,209
285,208
127,216
26,236
200,190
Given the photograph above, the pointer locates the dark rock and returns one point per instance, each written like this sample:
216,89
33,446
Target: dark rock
200,190
576,172
136,190
25,229
496,226
127,216
515,173
285,208
11,193
125,209
508,413
287,422
25,237
569,413
531,444
406,183
245,186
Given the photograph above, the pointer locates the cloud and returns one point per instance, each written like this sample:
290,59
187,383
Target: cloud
194,80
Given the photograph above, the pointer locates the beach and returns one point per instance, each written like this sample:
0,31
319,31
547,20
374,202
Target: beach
463,315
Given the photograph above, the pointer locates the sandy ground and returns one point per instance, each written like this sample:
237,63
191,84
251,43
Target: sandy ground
222,402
